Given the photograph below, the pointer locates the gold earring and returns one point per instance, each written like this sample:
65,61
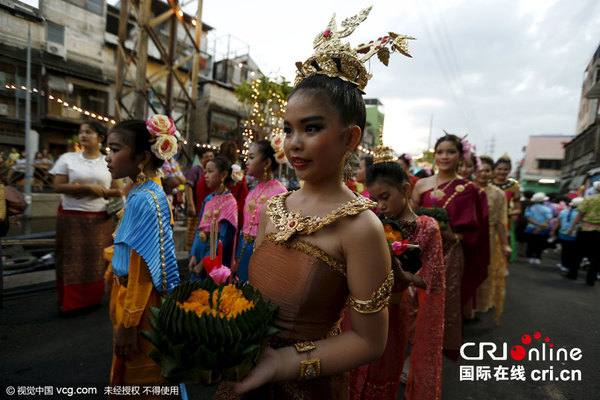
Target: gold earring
222,186
266,174
347,171
141,177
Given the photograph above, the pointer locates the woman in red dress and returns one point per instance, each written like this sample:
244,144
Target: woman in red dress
465,240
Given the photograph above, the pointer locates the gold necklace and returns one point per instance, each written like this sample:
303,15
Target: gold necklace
439,194
214,212
289,224
252,208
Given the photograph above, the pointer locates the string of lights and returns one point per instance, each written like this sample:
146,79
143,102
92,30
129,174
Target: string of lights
64,103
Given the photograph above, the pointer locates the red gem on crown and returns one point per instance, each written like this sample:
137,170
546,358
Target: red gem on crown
326,33
292,224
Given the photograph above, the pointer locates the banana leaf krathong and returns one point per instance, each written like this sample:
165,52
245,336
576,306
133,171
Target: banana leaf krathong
213,347
439,214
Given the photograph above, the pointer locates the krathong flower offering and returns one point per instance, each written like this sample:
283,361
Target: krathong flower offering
398,243
439,214
207,332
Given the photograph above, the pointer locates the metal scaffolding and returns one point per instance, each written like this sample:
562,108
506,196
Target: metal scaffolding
139,88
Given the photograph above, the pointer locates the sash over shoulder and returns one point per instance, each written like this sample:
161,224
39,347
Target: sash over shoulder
140,230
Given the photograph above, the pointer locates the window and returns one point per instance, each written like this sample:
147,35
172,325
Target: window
95,6
55,33
550,164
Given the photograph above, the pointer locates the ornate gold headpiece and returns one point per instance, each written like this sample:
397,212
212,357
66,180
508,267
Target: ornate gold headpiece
383,153
334,59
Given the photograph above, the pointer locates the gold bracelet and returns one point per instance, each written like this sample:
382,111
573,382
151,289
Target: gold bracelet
310,368
412,281
456,238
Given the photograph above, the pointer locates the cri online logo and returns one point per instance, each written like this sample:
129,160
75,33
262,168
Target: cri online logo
518,352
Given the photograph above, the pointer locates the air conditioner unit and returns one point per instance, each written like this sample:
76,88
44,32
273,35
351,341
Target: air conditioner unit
56,49
3,109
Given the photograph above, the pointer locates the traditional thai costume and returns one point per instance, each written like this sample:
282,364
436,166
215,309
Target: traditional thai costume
221,212
466,261
310,288
144,269
239,190
512,191
492,291
421,309
83,231
256,199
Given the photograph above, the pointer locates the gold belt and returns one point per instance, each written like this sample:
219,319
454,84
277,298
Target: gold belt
249,238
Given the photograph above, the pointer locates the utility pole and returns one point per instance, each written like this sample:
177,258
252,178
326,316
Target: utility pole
28,137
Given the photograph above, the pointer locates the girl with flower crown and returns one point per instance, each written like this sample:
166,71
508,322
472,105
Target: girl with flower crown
218,221
261,164
465,240
143,267
417,300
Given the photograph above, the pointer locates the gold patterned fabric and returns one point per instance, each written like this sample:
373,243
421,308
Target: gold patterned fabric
492,291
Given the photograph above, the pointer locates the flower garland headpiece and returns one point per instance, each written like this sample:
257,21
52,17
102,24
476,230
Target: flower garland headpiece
162,129
334,59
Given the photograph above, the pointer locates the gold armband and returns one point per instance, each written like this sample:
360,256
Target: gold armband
379,299
311,367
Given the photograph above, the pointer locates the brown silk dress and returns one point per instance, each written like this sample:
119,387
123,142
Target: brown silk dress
310,288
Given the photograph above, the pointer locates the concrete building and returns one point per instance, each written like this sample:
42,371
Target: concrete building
541,168
375,118
582,154
74,54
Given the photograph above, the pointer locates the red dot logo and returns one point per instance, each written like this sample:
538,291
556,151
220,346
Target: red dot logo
517,352
547,339
537,335
526,339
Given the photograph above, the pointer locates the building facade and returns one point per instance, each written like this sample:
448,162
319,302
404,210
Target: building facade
542,164
74,68
582,154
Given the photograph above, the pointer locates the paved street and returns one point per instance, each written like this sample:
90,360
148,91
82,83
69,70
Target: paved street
41,348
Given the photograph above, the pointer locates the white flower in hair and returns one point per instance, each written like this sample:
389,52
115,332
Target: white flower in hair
163,130
236,173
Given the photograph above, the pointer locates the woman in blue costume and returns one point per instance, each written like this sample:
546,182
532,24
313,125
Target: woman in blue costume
219,216
144,266
261,164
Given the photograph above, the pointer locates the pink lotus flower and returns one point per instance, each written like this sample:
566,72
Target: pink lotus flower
220,275
399,247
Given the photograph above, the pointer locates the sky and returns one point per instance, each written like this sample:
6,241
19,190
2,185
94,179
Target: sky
495,70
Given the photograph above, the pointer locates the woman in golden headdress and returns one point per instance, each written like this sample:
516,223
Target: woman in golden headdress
321,246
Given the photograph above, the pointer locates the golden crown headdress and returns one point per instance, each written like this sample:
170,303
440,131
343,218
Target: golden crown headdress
334,59
383,153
